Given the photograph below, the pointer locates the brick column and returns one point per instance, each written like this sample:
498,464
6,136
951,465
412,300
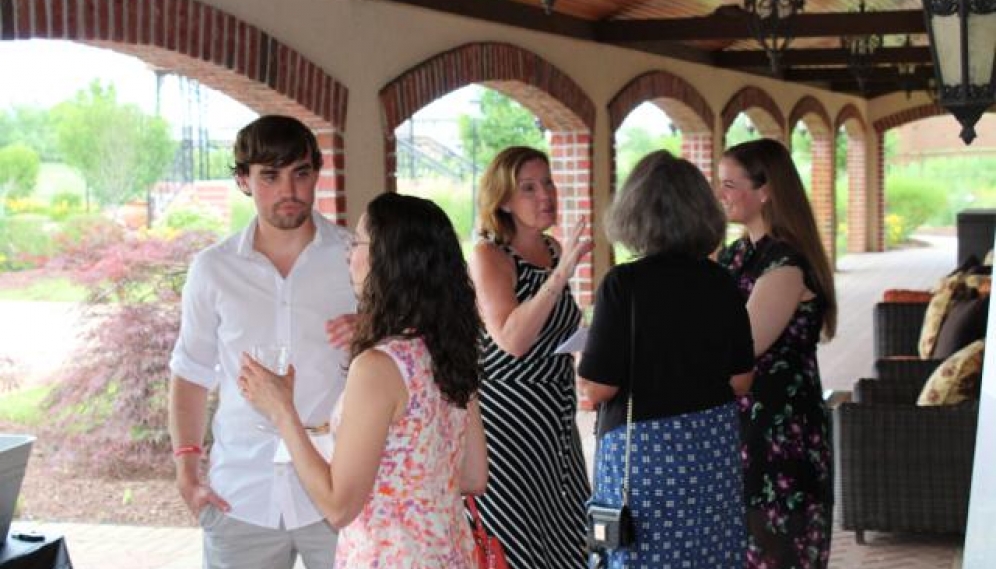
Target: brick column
878,228
696,147
858,237
570,164
822,191
330,195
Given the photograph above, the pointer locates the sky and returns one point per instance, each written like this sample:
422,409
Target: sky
46,72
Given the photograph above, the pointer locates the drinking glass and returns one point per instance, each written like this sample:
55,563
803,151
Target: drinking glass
274,357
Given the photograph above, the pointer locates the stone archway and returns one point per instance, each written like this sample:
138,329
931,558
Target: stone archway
682,103
564,109
213,47
760,107
864,233
813,114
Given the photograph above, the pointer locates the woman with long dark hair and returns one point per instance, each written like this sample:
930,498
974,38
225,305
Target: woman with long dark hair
408,435
787,283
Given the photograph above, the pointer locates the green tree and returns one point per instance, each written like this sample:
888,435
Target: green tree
31,127
633,143
119,150
18,172
502,123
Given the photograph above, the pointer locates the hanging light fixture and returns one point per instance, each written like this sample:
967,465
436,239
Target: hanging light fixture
906,73
859,52
963,47
770,22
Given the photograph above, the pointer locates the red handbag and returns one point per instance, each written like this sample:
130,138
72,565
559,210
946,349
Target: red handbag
487,549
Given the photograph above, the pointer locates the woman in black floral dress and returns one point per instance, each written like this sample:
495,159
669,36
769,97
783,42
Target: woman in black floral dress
786,279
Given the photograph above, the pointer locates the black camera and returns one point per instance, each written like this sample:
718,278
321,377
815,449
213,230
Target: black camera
610,527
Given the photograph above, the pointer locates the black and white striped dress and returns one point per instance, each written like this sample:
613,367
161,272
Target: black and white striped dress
538,483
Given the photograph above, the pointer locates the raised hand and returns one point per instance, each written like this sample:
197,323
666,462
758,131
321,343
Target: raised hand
576,246
340,330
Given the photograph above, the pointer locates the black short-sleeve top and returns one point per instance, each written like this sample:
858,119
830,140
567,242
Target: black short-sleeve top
692,334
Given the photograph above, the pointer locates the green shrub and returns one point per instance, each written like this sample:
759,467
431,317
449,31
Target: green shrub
25,242
454,200
242,211
64,204
192,218
915,202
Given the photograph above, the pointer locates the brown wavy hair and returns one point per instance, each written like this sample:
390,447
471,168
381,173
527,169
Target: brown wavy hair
788,213
418,286
274,140
497,185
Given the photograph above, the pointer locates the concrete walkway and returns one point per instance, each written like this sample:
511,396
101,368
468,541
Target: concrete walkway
860,282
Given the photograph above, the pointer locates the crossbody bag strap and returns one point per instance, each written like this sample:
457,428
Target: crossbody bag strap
629,399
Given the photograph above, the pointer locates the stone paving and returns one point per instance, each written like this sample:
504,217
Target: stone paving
96,546
860,281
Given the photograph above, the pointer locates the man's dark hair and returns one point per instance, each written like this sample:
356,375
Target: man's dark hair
274,140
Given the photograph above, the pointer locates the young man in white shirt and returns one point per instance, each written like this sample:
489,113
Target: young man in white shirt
278,282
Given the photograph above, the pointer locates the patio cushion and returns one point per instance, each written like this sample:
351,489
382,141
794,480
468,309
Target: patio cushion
947,289
906,295
955,380
965,322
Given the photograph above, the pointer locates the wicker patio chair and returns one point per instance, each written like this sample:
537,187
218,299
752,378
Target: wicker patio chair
900,467
897,328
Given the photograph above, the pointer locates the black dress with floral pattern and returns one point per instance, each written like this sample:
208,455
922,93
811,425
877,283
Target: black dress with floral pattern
785,426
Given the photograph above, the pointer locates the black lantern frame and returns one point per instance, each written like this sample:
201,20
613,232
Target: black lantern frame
964,96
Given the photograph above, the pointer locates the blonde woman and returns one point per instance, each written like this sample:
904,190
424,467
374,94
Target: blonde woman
538,484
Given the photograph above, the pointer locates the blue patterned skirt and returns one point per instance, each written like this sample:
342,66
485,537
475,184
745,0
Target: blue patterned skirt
686,490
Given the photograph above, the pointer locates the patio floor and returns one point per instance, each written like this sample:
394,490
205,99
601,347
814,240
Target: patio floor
861,278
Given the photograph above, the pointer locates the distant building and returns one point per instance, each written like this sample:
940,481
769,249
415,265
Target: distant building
938,136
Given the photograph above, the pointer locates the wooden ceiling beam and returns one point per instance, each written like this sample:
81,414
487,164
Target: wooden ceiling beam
731,24
844,75
821,56
512,14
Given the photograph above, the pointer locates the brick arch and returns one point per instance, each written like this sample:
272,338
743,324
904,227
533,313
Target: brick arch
682,103
807,108
864,222
653,85
907,116
847,116
213,47
562,106
554,97
770,122
814,115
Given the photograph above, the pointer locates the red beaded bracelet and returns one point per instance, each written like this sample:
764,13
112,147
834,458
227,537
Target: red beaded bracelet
190,449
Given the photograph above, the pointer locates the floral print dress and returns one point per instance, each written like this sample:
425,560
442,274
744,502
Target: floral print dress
785,426
414,516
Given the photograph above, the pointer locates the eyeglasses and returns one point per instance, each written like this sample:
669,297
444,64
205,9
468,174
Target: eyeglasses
352,242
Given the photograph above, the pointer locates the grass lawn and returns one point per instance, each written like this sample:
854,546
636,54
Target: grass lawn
23,407
56,289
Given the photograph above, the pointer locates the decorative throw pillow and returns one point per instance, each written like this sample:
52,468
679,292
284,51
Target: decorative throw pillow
906,295
964,323
956,379
937,309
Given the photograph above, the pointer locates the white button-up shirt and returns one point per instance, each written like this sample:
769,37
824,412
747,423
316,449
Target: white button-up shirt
234,299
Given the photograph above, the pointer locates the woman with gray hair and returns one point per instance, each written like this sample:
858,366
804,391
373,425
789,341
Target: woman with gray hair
670,346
